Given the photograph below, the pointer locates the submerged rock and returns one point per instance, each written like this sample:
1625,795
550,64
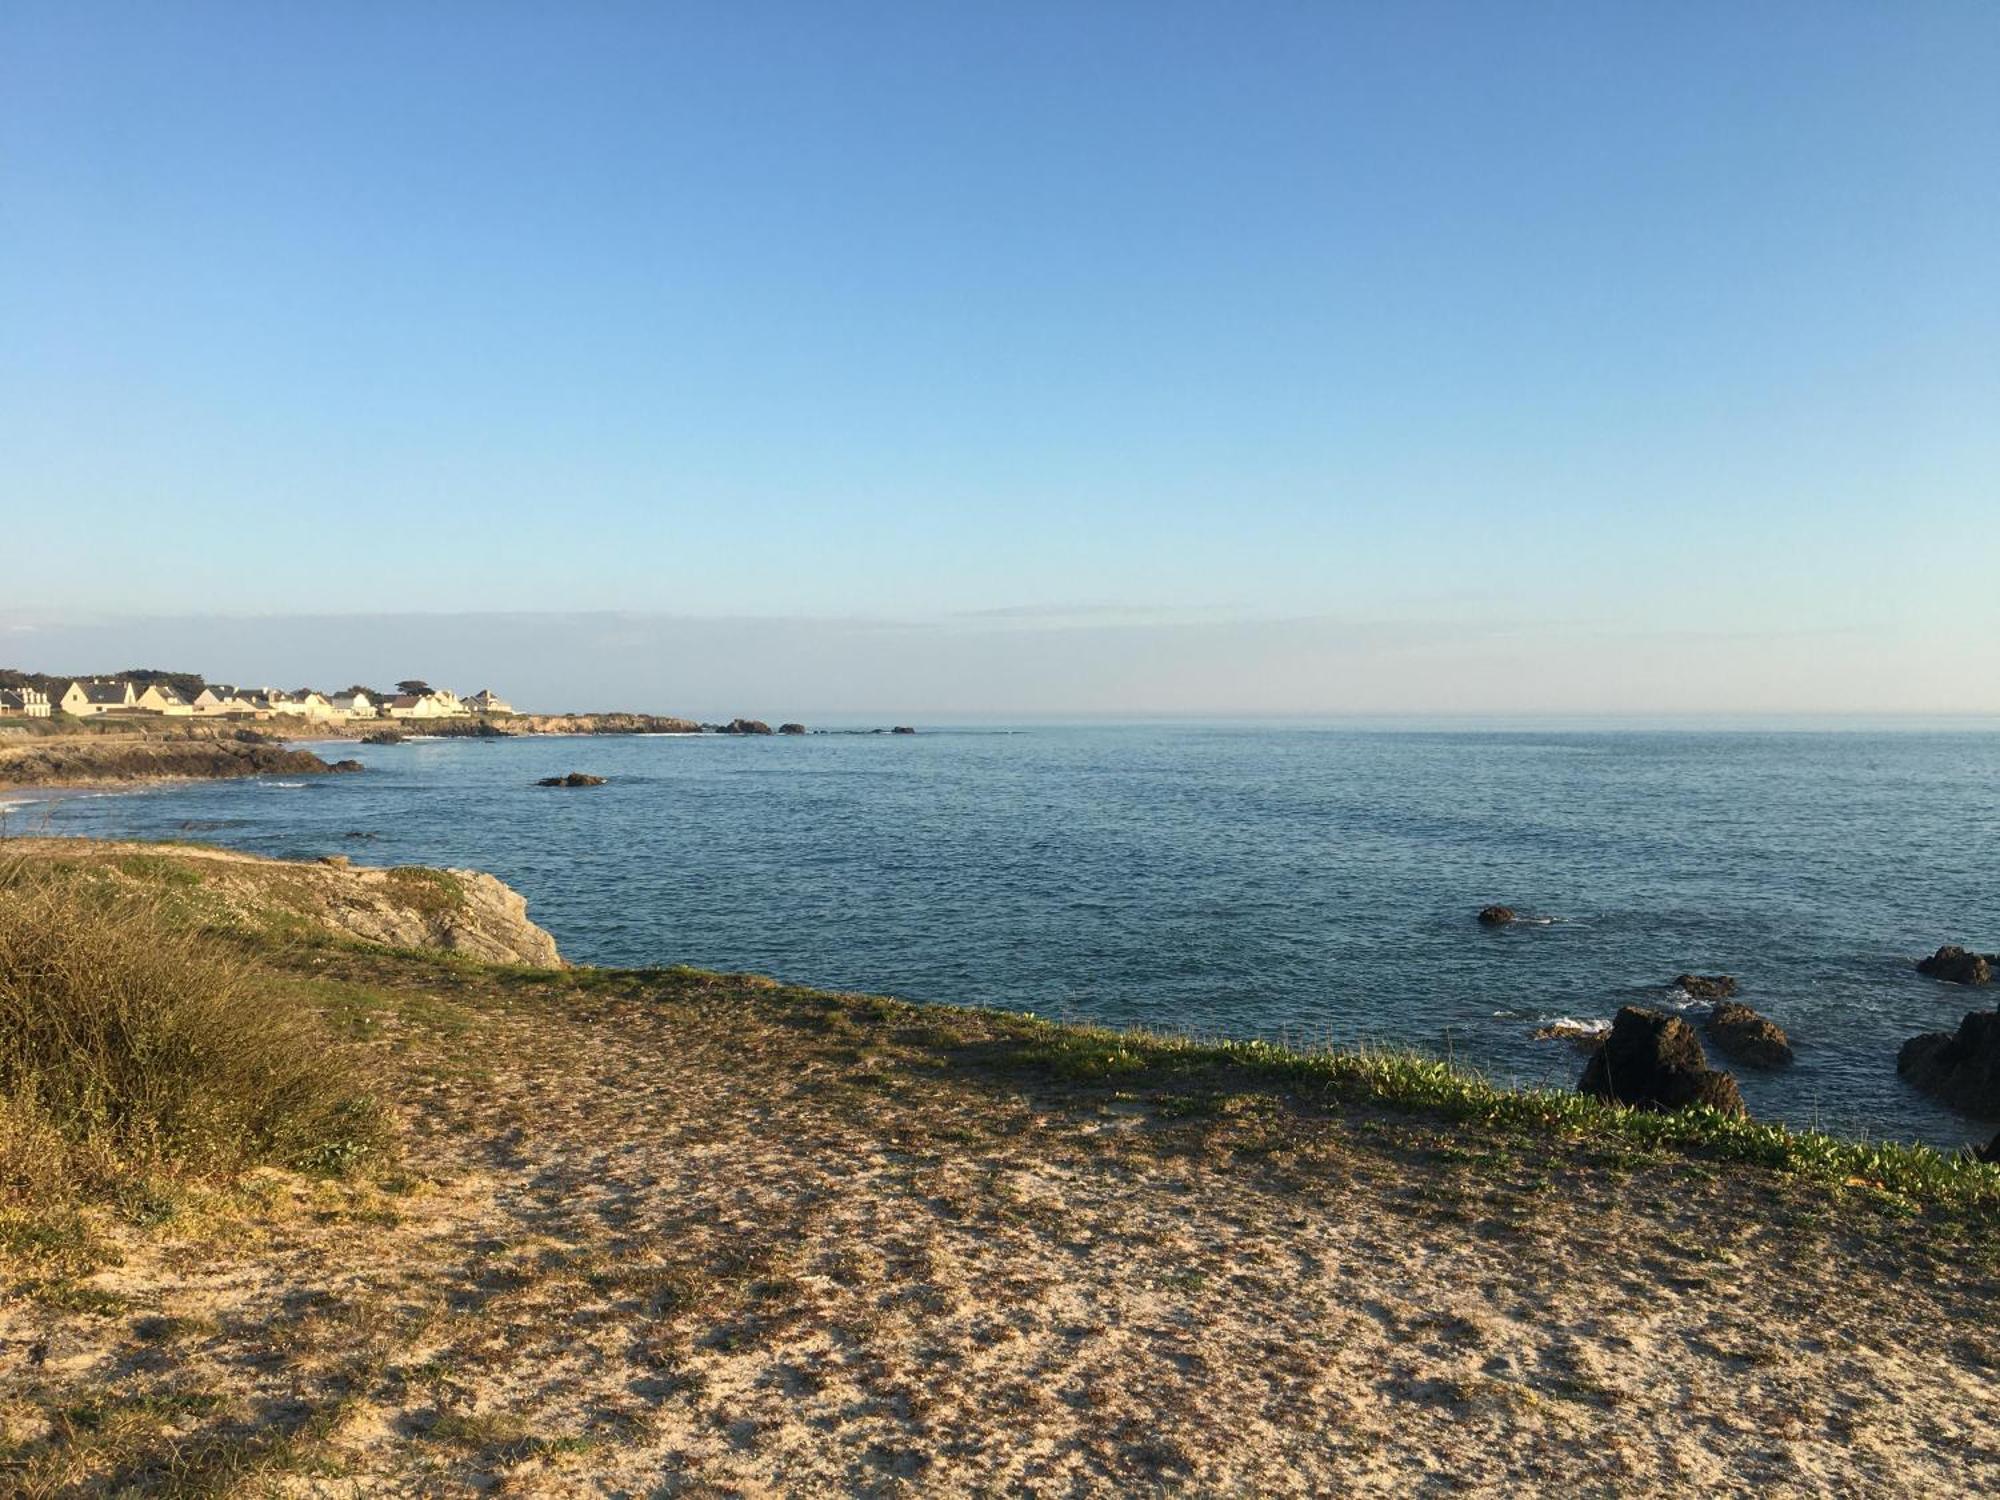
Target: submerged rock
1706,986
1962,1068
1585,1036
1745,1036
904,729
791,729
384,737
1497,916
347,766
1957,965
575,778
1654,1061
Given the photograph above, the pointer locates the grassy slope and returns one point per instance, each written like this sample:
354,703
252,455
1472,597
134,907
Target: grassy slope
674,1228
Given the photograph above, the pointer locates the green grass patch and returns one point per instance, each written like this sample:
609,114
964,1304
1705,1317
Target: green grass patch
432,893
1408,1082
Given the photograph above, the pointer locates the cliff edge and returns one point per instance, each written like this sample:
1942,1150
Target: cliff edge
457,911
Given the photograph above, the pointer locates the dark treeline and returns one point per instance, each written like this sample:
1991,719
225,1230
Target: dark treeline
187,684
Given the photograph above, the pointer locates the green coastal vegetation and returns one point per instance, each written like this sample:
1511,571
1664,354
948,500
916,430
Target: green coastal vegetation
232,1131
135,1040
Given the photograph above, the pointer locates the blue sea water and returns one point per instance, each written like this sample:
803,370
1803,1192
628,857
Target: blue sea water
1311,882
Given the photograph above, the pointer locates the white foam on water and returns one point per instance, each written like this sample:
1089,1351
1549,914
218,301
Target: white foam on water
1680,999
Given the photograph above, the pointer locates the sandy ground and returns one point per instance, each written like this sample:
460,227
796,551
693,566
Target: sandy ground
707,1240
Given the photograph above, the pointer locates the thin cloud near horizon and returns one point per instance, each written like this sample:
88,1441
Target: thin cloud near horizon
773,667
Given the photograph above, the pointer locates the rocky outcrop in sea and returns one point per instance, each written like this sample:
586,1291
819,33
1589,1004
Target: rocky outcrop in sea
1654,1061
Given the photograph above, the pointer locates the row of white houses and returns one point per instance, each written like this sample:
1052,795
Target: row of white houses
86,698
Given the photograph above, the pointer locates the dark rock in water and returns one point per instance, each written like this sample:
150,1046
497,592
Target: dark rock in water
1655,1061
791,729
1497,916
575,778
1957,965
1744,1036
904,729
1990,1151
1962,1068
384,737
745,726
1706,986
1581,1035
347,765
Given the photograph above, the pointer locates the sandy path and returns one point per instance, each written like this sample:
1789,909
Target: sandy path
730,1247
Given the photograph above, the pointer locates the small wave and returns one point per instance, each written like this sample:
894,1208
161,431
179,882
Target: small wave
1584,1035
285,783
1572,1026
1680,999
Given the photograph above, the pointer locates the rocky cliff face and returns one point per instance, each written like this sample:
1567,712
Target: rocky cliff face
91,760
599,724
459,911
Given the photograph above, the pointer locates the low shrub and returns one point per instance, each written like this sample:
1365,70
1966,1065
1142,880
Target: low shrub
131,1043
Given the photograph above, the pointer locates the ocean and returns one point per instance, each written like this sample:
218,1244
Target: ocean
1315,883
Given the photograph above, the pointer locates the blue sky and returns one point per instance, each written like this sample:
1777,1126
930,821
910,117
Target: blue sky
1383,343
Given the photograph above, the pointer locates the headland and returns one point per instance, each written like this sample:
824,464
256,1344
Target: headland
563,1230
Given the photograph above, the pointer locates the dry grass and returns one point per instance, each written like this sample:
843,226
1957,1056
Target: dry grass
677,1233
133,1045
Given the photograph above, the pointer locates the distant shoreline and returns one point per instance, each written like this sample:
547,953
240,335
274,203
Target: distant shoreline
130,754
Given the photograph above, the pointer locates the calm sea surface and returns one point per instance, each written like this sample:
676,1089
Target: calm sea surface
1316,883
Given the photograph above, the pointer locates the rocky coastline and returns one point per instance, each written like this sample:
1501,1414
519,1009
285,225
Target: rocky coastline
510,726
548,1248
137,752
100,760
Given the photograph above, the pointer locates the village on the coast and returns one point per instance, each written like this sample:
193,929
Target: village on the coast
94,697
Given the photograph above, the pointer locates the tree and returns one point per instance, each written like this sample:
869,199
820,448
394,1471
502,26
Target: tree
187,684
355,687
415,686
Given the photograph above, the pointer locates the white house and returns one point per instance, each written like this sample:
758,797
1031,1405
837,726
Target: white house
354,705
24,703
439,703
214,699
304,704
486,701
84,699
163,698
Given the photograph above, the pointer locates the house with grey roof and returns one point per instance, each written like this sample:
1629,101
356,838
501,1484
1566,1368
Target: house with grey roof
97,696
163,698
